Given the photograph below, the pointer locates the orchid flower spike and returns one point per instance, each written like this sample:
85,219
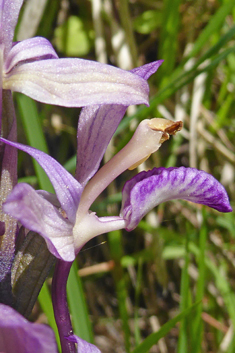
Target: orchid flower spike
32,67
19,335
66,222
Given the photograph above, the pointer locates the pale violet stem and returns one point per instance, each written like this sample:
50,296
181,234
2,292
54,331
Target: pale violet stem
60,305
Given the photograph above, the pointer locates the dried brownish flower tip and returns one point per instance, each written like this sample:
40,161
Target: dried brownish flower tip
168,127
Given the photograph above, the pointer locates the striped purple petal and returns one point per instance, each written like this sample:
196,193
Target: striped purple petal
19,335
148,189
96,126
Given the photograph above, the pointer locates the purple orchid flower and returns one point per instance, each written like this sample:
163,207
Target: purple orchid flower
32,67
68,228
96,126
19,335
65,220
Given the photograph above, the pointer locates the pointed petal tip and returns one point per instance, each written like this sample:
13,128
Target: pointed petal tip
147,70
224,207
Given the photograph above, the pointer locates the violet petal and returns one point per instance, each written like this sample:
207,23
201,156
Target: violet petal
52,198
76,83
147,70
39,215
21,336
67,189
9,16
31,49
96,127
83,346
148,189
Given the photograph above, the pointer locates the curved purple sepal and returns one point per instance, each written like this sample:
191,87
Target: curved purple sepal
83,346
39,215
148,189
21,336
67,189
76,83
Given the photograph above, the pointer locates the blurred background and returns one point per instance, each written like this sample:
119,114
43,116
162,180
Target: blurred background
167,286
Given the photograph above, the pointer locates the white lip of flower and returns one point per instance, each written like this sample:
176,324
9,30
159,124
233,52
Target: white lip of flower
91,225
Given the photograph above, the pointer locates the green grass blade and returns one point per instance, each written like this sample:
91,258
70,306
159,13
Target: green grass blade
168,40
78,306
184,303
137,332
197,325
116,250
221,283
214,25
44,299
156,336
183,79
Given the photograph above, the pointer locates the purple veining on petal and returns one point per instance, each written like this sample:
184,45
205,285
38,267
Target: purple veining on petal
67,189
39,215
83,346
21,336
77,83
148,189
31,49
96,126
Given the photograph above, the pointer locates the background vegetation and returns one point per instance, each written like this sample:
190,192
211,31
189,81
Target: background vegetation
169,285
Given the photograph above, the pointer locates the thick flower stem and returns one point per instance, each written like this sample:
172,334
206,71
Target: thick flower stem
61,311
